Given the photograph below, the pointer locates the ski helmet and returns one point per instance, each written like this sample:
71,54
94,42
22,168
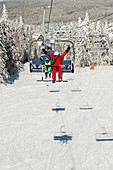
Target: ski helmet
47,59
56,53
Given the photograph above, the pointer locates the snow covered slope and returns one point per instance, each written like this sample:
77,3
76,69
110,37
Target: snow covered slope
28,124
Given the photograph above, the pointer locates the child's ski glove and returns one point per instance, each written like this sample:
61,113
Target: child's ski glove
68,48
41,59
44,51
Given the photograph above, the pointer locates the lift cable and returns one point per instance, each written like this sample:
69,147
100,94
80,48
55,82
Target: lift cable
99,19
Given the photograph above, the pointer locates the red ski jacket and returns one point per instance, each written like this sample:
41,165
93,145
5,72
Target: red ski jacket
58,60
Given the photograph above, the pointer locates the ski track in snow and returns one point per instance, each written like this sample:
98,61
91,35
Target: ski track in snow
28,124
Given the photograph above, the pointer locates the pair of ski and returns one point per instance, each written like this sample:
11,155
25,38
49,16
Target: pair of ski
46,80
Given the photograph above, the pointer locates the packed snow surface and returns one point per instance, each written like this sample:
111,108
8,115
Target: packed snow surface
28,124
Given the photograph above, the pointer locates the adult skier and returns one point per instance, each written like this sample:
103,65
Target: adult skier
57,64
47,66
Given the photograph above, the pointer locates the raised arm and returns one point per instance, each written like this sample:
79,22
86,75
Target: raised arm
63,54
68,48
52,56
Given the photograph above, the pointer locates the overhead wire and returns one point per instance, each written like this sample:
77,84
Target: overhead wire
94,21
99,19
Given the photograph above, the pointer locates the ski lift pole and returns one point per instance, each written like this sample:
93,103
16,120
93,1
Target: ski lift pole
43,24
50,14
42,73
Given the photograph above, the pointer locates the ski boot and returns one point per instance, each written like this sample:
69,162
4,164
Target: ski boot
50,75
53,81
60,79
46,75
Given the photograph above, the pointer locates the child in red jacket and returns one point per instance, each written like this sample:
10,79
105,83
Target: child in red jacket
57,63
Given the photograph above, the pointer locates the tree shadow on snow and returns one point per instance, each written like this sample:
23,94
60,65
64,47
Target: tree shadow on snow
10,79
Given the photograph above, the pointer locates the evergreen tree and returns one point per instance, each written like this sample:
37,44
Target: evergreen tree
4,14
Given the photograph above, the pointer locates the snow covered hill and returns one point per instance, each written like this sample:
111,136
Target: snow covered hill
28,124
63,11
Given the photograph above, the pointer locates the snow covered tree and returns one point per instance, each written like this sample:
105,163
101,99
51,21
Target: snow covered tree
105,28
86,20
4,14
86,24
92,28
98,27
21,21
79,21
